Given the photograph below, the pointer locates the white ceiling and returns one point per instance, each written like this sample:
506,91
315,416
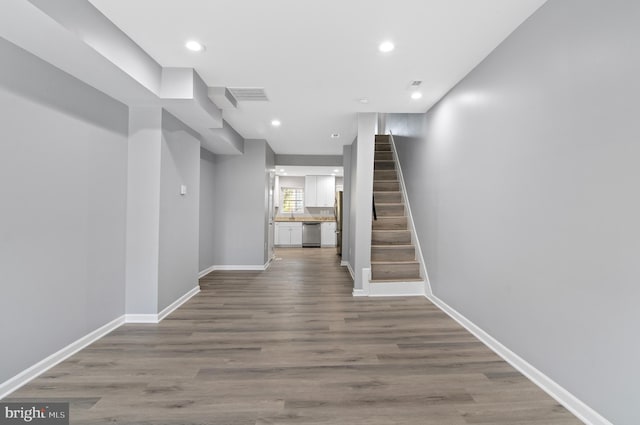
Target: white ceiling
316,59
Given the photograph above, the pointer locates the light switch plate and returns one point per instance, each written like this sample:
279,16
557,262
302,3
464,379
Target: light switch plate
183,189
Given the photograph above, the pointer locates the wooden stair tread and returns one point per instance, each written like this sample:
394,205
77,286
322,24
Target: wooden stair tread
383,217
392,253
396,280
392,246
391,262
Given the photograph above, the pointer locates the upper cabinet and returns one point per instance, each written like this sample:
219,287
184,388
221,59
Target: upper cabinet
319,191
326,191
310,191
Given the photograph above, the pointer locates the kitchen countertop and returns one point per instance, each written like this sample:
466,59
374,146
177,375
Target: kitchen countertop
307,219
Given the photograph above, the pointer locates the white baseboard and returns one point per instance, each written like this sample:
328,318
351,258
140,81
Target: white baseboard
360,293
42,366
396,289
268,263
353,276
257,267
141,318
343,263
157,318
205,272
177,303
573,404
364,291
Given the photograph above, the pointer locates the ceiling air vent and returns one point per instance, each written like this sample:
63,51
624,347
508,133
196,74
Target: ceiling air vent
249,94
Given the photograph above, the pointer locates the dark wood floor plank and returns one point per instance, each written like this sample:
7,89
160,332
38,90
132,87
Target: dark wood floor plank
292,346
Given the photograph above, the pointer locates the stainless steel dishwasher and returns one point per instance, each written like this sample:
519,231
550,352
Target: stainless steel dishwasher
311,235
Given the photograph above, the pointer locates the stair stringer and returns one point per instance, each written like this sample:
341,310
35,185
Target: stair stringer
426,285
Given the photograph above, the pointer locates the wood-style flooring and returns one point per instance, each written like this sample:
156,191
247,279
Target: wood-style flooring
292,346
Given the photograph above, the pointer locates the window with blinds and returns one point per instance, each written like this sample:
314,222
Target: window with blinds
292,200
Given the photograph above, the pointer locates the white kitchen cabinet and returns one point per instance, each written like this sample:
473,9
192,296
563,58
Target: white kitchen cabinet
319,191
328,233
296,235
288,234
310,193
326,191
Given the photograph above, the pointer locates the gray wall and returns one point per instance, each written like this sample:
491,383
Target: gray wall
525,198
309,160
179,214
63,164
362,195
207,210
269,186
346,205
352,209
144,165
239,185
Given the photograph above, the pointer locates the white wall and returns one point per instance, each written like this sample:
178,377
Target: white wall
63,164
525,198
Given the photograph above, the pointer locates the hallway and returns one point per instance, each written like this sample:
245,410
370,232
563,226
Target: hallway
292,346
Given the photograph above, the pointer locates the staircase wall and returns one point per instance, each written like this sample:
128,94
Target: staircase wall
524,198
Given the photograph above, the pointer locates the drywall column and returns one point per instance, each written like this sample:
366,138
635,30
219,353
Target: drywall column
143,210
179,211
207,211
363,195
269,193
346,204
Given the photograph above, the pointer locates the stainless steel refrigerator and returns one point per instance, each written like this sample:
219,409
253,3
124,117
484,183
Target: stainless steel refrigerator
339,222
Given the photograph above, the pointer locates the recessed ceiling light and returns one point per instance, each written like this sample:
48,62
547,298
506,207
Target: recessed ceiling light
386,46
333,174
282,170
285,174
194,46
364,100
276,123
335,135
416,95
335,171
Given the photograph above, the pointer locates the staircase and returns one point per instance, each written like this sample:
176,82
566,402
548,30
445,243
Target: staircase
393,254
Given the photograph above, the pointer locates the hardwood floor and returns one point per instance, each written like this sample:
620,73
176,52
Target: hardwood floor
292,346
